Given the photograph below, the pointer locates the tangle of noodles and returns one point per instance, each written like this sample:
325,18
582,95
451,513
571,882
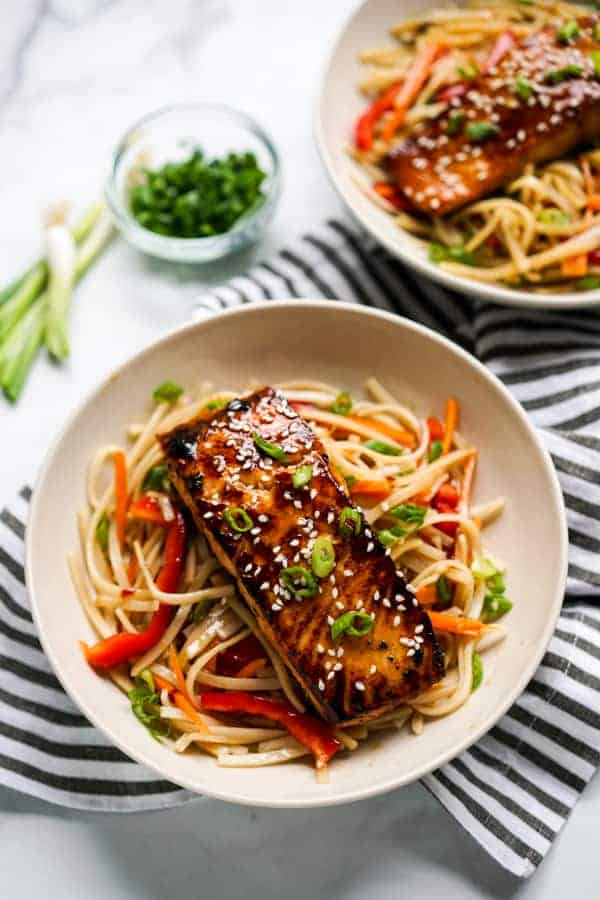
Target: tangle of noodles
117,585
527,233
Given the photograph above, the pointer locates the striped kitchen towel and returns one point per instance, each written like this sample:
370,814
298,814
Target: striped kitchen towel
513,790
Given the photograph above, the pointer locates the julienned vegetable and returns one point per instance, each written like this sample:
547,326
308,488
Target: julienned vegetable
316,736
477,669
34,307
123,647
197,197
145,704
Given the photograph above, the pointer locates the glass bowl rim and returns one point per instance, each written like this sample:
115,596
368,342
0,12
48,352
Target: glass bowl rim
140,235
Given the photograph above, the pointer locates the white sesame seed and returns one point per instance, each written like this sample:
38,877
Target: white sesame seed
208,515
335,593
321,684
330,518
331,652
376,596
298,504
410,652
263,518
348,573
255,531
338,667
373,669
330,676
320,648
419,629
339,604
313,493
370,547
330,620
340,652
248,567
397,621
359,685
386,603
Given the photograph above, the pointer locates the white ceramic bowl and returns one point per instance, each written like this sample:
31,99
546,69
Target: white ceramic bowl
340,103
343,344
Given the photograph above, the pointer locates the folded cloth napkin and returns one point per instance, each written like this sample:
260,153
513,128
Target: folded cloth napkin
515,788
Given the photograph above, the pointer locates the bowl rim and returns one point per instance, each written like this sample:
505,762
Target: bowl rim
139,235
349,794
492,292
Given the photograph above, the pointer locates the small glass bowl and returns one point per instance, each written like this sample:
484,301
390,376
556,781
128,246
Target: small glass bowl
170,135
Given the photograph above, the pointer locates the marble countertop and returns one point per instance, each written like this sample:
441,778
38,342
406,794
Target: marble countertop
74,74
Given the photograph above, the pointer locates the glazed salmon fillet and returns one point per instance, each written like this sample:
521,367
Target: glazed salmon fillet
236,474
541,100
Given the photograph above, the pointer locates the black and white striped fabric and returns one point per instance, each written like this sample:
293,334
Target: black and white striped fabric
514,790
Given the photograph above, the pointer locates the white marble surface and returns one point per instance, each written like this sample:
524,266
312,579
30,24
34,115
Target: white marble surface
73,75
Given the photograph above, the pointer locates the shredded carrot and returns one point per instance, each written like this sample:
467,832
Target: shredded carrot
377,489
455,624
436,430
401,435
191,712
593,202
252,668
162,684
178,671
427,595
450,423
120,494
574,266
416,77
132,569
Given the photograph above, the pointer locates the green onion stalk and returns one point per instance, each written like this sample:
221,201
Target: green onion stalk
34,307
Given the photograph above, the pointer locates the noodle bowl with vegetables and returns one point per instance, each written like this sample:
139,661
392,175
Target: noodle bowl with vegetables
480,139
176,636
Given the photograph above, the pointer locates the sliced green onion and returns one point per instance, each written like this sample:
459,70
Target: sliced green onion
455,122
102,532
595,56
167,392
157,479
588,283
409,512
350,480
382,447
219,403
353,624
556,76
435,451
443,589
389,536
523,87
342,405
322,558
439,253
299,581
481,131
145,704
494,607
238,519
484,568
20,348
270,449
568,31
477,669
496,583
302,476
553,217
596,32
469,71
350,522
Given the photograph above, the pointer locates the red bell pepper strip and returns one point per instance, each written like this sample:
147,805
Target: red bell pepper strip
449,528
447,496
594,257
454,90
391,193
123,647
436,429
148,509
316,736
365,126
504,44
